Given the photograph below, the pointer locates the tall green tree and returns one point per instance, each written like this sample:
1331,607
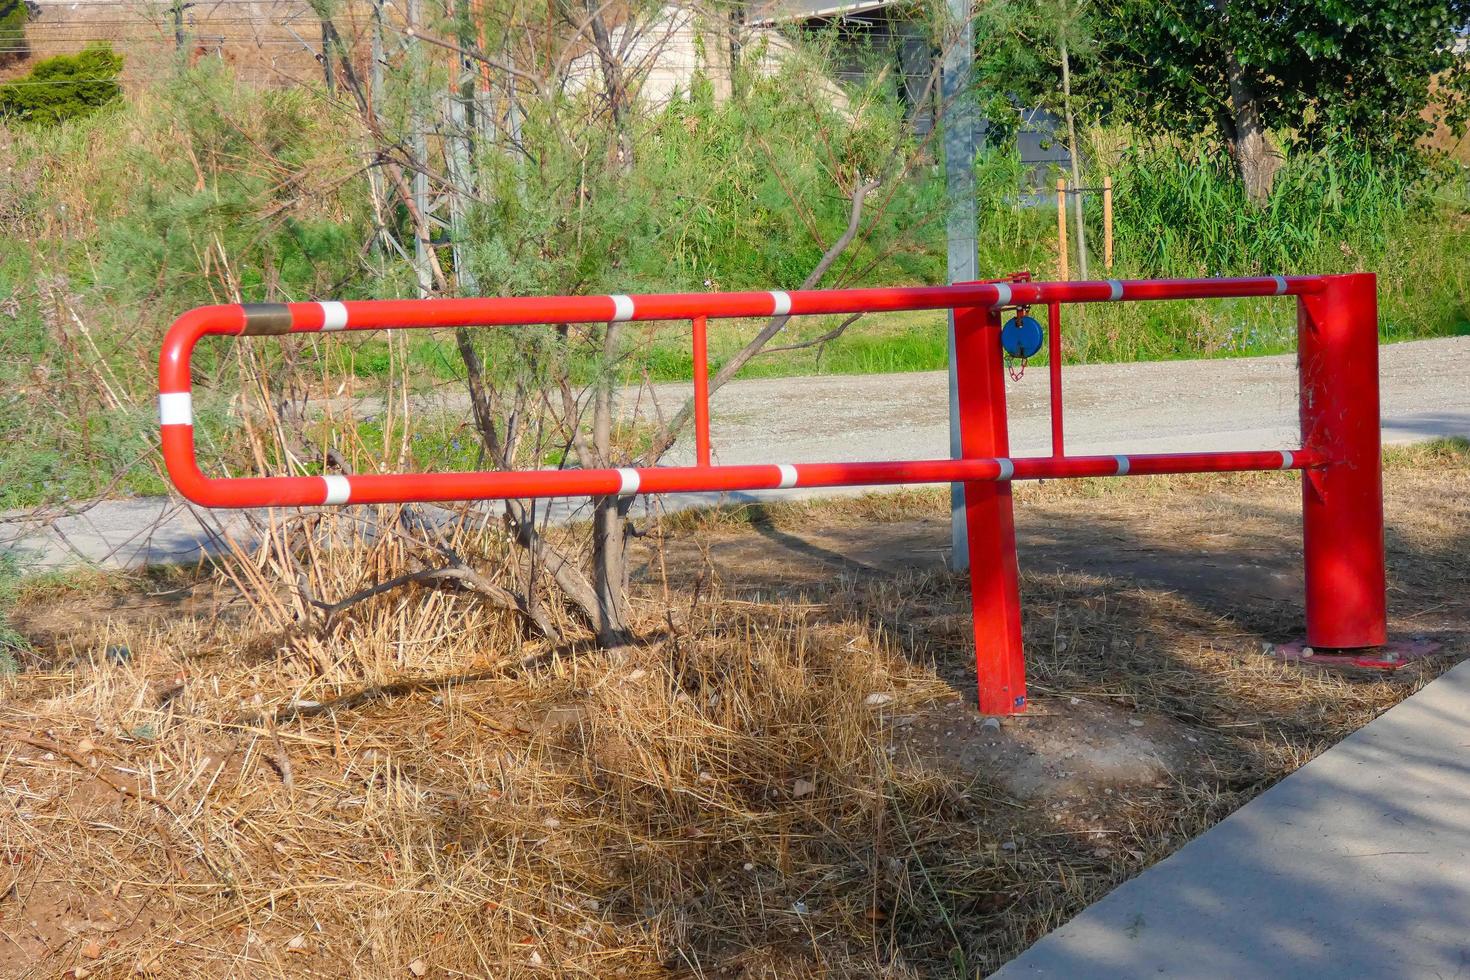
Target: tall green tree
1381,72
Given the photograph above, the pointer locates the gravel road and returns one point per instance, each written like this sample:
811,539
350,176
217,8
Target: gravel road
1161,406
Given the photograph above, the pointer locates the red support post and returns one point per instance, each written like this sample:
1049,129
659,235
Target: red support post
994,578
701,393
1342,500
1054,364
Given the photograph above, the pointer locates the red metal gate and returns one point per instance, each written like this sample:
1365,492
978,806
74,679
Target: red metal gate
1338,456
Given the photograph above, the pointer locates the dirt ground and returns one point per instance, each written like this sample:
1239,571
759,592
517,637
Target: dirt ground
786,777
1105,565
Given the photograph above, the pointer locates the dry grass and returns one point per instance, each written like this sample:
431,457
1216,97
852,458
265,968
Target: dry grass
229,785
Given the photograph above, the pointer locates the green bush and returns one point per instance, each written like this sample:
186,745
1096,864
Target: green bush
126,219
13,43
64,87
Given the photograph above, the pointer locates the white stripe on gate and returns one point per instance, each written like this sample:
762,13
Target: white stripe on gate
788,476
1115,289
781,303
1287,459
1007,469
1122,465
334,315
628,484
622,307
176,408
338,489
1002,294
1280,284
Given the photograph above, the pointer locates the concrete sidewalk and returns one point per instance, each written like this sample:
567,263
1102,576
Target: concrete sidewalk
1356,865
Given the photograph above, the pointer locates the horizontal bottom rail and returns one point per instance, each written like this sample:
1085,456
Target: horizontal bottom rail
495,485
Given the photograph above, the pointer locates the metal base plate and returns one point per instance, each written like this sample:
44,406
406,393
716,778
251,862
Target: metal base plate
1390,656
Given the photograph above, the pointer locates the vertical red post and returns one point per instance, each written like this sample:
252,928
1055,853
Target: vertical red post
1054,363
701,393
995,587
1342,501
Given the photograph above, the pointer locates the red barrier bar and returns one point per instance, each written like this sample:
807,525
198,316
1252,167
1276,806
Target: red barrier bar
294,491
701,392
1342,503
278,318
1054,363
990,527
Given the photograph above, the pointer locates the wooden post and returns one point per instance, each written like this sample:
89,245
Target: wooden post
1108,222
1062,271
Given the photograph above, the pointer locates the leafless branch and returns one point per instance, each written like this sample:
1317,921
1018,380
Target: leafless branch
462,575
827,337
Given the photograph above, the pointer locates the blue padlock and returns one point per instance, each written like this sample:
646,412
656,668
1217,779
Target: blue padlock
1022,337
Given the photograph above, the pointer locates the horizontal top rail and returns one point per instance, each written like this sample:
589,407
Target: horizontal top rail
312,317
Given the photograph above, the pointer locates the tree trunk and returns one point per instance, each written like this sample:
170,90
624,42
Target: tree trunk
615,80
1254,155
610,570
1076,166
609,539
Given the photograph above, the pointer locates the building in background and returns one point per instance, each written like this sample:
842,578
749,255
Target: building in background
875,36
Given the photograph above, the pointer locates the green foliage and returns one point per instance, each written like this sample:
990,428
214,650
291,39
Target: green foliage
1182,213
1018,57
13,43
12,642
63,88
1318,69
742,193
198,191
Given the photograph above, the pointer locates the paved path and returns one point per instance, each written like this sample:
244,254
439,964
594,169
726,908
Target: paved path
1356,865
1242,403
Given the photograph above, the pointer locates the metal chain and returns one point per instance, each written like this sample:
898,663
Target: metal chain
1017,373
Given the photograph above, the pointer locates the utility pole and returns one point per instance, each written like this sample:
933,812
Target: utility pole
459,151
179,6
959,118
375,102
327,73
419,149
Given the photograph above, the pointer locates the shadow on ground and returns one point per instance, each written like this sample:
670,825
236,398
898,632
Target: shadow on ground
1148,622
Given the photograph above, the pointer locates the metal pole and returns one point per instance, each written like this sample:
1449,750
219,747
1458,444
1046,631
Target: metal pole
1062,270
959,118
179,6
459,152
419,150
327,74
1342,503
1108,223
